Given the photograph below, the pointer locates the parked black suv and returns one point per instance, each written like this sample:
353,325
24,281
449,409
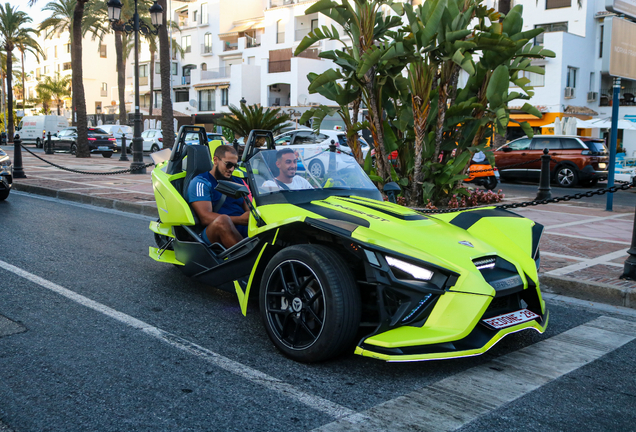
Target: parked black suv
99,141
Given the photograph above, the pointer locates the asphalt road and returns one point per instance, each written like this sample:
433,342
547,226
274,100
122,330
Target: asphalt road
106,339
623,198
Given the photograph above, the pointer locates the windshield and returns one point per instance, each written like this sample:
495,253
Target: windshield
286,170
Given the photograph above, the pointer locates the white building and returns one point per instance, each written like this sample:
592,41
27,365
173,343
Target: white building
99,71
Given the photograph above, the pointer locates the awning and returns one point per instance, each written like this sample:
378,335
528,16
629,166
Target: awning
243,27
524,117
181,86
204,86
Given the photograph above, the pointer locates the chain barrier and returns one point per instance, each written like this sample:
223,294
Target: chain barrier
89,172
588,194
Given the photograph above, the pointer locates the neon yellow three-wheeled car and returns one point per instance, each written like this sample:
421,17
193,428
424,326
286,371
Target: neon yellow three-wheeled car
336,268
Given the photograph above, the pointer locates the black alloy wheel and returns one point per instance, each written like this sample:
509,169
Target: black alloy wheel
566,176
309,303
73,149
316,168
490,182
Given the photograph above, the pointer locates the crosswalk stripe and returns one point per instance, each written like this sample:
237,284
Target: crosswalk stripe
457,400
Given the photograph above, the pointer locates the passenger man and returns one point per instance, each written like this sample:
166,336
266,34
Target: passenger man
287,164
228,223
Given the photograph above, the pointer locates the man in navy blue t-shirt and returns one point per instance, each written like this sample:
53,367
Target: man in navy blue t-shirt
228,224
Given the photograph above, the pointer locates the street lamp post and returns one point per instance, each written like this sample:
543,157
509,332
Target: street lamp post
135,25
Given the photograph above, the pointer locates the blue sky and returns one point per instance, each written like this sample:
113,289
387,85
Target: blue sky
34,12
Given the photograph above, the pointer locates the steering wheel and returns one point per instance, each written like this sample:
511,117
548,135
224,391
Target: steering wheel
334,182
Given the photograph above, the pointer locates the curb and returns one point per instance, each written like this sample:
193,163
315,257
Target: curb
588,290
124,206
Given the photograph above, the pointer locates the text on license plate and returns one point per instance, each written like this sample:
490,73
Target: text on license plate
102,148
510,319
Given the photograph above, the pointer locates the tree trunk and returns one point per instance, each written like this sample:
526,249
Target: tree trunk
152,81
352,138
9,49
23,88
121,78
376,127
78,85
167,114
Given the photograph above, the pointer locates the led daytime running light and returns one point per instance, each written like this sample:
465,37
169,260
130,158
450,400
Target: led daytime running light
415,271
485,263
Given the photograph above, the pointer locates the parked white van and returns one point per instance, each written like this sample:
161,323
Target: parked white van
33,129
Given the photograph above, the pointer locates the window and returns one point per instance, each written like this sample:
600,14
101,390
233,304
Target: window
46,70
280,32
66,66
181,95
204,13
37,73
104,90
600,43
536,80
520,144
554,4
569,144
549,143
68,48
102,50
304,138
314,24
55,51
204,66
157,67
186,43
195,16
206,100
224,97
143,70
592,86
46,54
570,79
547,28
207,43
174,69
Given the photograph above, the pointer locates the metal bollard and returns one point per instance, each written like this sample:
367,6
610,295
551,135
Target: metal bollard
544,181
48,146
18,171
123,156
629,269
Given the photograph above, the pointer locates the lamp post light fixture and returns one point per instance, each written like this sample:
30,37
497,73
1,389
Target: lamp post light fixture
136,26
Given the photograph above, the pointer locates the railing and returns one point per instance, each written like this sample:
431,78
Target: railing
627,97
206,49
279,66
103,93
224,72
207,106
185,79
228,46
300,34
251,42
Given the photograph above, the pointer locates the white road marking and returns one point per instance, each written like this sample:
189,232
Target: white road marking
253,375
603,259
84,206
588,238
586,221
586,304
458,400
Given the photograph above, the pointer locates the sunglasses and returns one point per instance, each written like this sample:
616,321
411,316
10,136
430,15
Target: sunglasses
230,165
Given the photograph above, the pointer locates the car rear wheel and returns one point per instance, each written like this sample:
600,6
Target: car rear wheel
309,303
38,143
73,149
566,177
316,168
154,148
490,183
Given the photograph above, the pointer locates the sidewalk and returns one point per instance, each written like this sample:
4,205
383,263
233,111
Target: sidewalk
583,248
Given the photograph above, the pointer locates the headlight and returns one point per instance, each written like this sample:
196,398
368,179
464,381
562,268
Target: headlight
415,271
602,165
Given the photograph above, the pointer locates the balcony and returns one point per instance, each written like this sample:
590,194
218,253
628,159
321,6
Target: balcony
301,33
206,49
143,80
230,46
625,98
252,42
210,74
103,93
279,66
185,80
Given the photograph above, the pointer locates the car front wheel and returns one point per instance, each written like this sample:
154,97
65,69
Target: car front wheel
4,194
38,143
309,303
316,168
73,149
154,148
566,177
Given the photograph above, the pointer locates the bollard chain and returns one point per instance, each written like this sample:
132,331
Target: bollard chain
89,172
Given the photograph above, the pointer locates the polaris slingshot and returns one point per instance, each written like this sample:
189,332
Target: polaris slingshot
335,265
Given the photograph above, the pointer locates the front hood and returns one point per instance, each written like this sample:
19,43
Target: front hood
395,228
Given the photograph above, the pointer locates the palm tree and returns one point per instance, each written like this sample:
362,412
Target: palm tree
12,30
68,15
43,97
244,120
24,46
165,60
58,88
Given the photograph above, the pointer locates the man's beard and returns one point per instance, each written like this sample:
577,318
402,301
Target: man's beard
217,174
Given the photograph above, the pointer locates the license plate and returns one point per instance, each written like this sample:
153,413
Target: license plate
510,319
103,148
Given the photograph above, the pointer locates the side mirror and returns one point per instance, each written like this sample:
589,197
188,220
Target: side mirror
232,189
392,189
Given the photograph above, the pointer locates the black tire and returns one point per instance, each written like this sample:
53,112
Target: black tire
4,194
154,148
73,149
316,168
310,305
588,183
490,183
38,143
566,176
130,149
107,155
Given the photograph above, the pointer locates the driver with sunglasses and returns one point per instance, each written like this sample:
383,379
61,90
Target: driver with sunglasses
224,217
